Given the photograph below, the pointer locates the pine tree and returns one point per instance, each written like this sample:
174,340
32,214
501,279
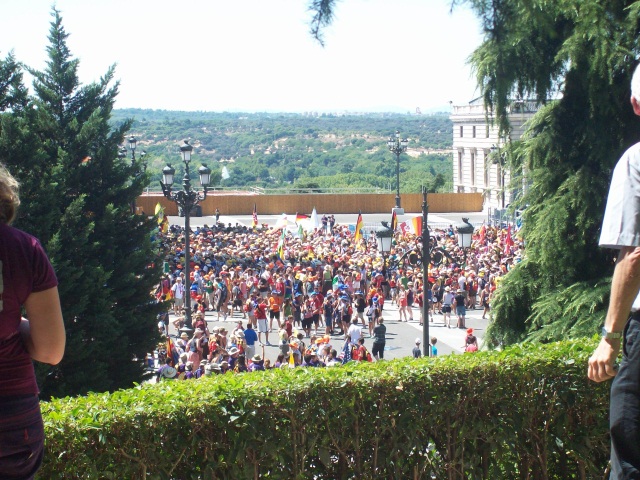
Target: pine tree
79,206
576,58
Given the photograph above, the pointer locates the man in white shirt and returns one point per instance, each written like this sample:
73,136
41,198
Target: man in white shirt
355,332
178,295
621,231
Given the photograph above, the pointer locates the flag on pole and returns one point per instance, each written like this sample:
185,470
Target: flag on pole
413,226
300,217
359,225
482,234
394,221
315,223
508,241
292,361
159,213
281,245
254,221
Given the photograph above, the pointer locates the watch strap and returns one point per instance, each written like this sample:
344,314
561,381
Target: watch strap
611,335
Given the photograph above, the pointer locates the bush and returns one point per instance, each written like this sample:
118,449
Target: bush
526,412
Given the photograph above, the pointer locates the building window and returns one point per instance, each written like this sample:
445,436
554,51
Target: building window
461,131
473,167
460,165
473,131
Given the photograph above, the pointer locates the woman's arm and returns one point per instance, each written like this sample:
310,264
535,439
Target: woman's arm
43,333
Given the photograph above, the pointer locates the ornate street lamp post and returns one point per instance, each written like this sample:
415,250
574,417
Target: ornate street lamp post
186,199
465,234
132,141
500,158
123,154
384,240
426,260
397,146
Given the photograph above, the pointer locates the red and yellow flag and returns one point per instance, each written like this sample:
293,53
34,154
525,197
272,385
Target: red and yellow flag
359,225
300,217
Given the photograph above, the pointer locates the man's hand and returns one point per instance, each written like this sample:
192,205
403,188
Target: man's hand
601,363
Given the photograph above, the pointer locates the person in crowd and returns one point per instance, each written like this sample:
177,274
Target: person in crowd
178,293
485,299
165,371
410,299
471,342
194,347
261,317
240,365
416,352
380,339
434,349
354,332
250,339
447,302
459,303
361,354
30,286
275,304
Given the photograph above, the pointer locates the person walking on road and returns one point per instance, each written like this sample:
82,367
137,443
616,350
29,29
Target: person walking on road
379,340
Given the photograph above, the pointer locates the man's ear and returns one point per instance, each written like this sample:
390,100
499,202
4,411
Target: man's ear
636,105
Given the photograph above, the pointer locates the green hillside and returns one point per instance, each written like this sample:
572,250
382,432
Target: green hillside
295,151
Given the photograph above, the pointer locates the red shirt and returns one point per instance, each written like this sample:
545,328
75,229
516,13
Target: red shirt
261,311
25,269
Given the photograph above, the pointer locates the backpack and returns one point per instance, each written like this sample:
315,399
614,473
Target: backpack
224,291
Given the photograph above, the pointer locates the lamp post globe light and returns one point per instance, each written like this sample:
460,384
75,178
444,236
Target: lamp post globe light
132,143
397,146
465,234
384,239
186,199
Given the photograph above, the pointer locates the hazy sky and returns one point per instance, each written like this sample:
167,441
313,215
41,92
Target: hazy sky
258,55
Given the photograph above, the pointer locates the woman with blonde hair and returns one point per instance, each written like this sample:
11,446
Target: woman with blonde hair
27,280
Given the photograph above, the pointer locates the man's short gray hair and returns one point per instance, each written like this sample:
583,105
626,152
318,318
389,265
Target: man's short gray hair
635,84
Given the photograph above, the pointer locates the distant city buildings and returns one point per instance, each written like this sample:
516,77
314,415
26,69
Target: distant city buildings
478,162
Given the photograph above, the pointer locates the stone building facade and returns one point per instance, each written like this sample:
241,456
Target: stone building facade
475,168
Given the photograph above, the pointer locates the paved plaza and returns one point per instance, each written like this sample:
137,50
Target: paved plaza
401,336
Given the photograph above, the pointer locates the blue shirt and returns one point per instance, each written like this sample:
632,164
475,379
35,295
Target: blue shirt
250,337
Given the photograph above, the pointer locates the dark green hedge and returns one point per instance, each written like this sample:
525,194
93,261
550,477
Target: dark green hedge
527,412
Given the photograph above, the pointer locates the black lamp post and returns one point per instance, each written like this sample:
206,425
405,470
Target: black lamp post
132,141
384,239
465,234
186,199
500,158
426,260
397,146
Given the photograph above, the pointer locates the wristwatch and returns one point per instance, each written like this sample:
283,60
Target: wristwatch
611,335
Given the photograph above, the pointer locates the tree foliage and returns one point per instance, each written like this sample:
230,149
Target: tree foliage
278,150
576,58
76,198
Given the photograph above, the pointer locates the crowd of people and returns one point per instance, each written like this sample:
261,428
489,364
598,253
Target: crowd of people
307,288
